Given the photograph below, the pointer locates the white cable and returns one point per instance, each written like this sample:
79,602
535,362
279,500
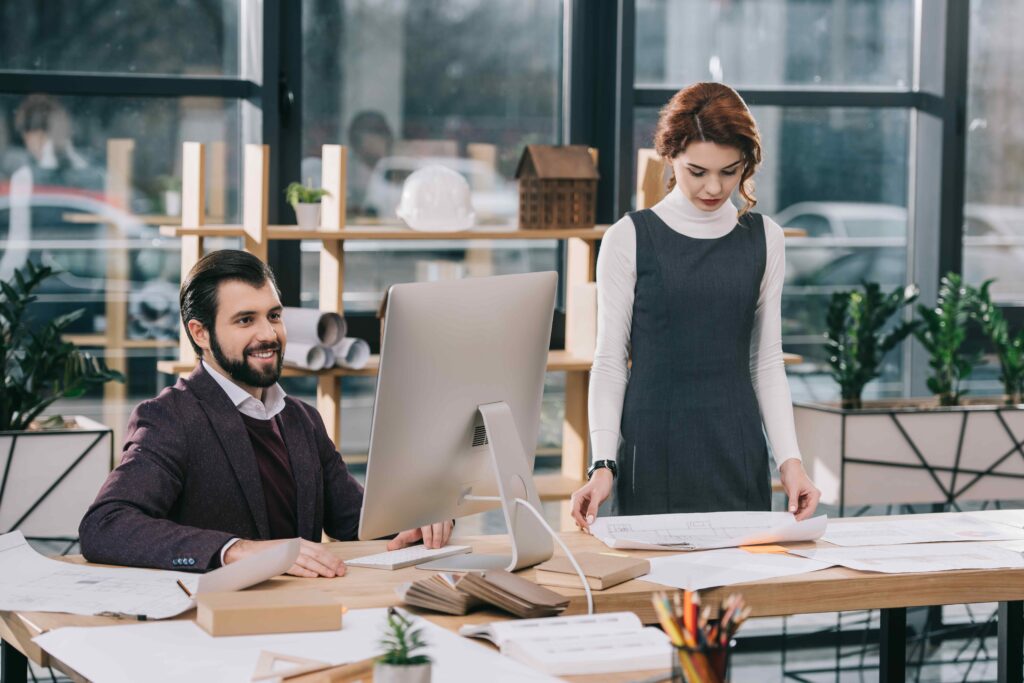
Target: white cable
568,553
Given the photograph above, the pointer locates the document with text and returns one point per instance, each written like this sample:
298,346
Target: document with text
724,567
913,529
705,531
919,557
30,582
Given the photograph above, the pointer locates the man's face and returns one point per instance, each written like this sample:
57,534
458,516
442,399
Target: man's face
248,339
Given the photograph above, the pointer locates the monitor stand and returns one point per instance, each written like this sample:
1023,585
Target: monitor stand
531,543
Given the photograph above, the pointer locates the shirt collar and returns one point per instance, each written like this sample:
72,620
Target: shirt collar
271,405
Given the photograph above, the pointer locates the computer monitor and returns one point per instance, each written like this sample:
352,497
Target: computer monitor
457,410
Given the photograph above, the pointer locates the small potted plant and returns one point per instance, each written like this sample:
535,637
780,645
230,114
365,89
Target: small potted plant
305,199
400,663
68,458
1009,346
170,188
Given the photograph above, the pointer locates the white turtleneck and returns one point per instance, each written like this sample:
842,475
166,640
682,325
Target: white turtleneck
616,283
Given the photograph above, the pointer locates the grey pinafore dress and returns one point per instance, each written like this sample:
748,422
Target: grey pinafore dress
691,428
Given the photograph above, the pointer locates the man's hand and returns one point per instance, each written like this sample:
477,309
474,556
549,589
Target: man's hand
800,490
433,536
586,499
314,558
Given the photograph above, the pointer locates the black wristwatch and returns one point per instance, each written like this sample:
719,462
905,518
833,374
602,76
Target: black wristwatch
598,464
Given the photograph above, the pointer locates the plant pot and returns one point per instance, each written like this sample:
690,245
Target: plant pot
307,215
393,673
172,202
49,478
912,451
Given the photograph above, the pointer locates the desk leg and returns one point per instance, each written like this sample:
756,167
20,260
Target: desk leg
13,664
892,664
1011,642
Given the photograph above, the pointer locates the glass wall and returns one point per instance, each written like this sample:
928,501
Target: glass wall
404,84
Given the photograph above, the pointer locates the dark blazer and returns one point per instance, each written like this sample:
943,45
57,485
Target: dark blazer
188,482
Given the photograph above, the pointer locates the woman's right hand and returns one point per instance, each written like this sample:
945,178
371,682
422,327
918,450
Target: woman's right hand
586,499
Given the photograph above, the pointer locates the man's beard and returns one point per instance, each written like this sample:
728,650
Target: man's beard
241,371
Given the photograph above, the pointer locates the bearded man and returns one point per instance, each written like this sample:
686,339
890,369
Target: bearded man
222,463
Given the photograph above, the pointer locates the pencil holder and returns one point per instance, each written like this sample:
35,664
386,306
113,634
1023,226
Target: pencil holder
701,664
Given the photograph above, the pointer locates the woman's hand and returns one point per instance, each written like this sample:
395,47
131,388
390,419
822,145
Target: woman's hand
586,499
801,492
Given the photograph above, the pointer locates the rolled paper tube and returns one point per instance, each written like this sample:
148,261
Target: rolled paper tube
305,356
311,326
352,353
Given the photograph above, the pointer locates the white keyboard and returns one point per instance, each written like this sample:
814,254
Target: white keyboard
406,557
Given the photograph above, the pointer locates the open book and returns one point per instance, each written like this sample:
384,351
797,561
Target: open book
705,530
580,645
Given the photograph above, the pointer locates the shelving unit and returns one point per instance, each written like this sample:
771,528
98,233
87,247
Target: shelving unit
575,360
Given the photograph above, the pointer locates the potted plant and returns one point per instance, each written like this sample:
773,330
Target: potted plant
918,450
305,199
400,662
1009,346
52,467
943,333
855,337
170,188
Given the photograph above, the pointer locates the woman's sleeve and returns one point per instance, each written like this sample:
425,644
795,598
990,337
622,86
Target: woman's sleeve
616,281
767,369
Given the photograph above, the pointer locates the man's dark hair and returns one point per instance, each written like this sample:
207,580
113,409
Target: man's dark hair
198,296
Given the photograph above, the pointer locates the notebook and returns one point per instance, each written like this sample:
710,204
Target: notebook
603,570
579,645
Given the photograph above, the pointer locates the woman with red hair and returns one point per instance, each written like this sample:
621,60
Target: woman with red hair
690,291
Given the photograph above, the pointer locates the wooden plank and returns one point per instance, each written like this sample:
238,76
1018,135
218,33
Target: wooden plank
394,232
255,201
118,192
218,190
328,404
193,203
651,185
580,269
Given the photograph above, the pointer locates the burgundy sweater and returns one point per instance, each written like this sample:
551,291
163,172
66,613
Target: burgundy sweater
276,474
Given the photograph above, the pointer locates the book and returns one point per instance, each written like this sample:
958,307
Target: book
579,645
603,570
438,593
512,593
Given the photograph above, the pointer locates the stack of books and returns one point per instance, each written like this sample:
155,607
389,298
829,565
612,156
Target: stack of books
460,594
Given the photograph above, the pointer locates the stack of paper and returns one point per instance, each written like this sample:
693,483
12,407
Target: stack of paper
581,645
910,529
438,593
921,557
704,531
710,568
512,593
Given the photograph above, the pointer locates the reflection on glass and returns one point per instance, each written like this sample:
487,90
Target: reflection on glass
188,37
994,209
764,43
84,185
840,175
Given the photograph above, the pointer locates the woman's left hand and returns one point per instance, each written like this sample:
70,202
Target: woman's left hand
801,492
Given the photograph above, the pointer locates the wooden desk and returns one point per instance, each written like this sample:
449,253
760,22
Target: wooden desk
830,590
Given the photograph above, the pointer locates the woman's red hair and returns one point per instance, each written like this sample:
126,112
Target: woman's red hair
711,112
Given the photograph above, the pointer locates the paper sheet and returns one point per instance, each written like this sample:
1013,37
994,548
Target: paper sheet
308,356
914,529
176,651
710,568
919,557
32,583
703,531
351,353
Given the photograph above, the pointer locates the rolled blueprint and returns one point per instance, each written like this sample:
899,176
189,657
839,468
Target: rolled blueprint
310,326
351,353
307,356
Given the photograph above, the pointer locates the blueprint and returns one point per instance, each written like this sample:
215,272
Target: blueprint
919,557
704,531
30,582
961,526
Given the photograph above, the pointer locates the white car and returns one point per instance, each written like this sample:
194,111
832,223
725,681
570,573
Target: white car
993,241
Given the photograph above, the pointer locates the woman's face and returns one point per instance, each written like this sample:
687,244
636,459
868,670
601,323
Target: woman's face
707,173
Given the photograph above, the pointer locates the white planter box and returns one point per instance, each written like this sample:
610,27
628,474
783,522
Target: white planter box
48,479
307,216
893,452
389,673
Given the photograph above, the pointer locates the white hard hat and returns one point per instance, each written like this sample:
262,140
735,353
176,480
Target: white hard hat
436,198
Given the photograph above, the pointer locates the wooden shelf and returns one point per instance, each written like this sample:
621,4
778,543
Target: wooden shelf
556,486
792,358
558,361
387,232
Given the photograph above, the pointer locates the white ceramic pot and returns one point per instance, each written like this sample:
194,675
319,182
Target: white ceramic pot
172,202
391,673
307,215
